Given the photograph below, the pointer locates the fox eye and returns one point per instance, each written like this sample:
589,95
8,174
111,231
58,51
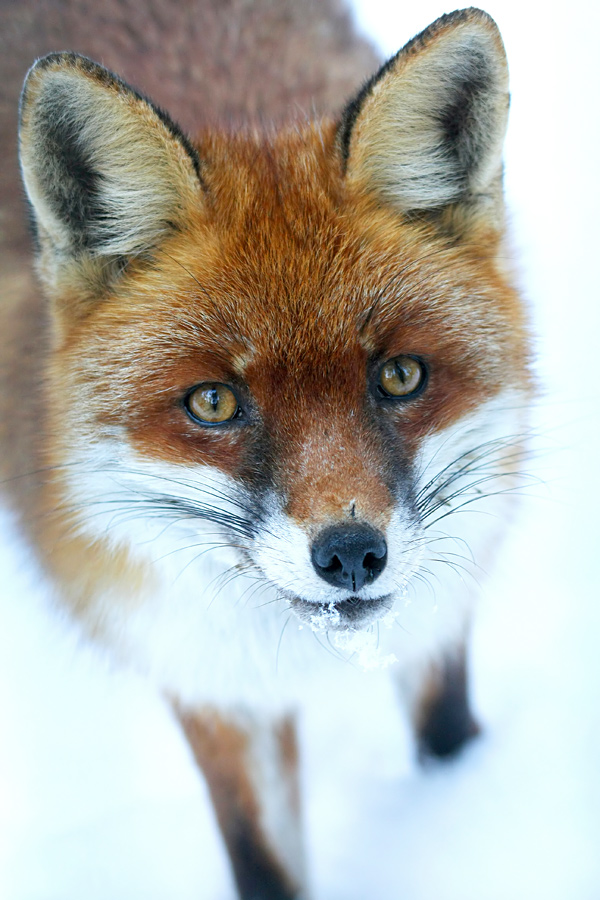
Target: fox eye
402,376
212,403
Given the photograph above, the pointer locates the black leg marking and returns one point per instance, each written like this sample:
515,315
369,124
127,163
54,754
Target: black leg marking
446,722
257,875
223,749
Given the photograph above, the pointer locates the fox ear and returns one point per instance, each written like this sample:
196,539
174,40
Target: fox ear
426,132
107,174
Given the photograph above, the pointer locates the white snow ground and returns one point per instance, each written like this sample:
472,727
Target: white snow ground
98,795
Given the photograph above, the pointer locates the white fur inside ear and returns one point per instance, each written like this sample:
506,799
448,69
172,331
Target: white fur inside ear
103,171
430,130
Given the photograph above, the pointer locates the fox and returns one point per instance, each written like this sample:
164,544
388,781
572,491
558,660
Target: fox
265,400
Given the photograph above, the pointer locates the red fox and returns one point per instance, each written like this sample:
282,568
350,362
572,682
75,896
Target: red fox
271,373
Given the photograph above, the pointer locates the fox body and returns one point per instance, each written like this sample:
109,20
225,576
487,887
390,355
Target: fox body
280,371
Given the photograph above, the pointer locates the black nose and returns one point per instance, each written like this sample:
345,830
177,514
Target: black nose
349,556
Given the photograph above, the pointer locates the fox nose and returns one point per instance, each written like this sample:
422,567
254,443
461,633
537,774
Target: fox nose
349,556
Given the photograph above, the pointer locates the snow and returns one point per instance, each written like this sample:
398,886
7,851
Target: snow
362,647
99,795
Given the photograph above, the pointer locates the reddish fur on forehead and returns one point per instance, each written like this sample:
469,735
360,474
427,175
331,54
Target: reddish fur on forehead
289,286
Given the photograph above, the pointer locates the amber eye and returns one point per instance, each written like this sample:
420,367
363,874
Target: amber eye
402,376
212,403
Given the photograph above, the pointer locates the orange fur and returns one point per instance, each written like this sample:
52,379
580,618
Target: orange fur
290,264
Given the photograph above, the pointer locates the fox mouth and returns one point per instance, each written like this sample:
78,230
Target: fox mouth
352,614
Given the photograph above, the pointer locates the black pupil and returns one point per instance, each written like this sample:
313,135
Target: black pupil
213,398
403,373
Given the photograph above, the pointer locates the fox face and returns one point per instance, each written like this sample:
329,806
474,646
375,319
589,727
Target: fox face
285,354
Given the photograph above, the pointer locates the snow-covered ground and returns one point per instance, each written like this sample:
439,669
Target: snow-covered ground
98,795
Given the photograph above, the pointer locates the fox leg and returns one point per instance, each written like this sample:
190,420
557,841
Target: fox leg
251,768
441,712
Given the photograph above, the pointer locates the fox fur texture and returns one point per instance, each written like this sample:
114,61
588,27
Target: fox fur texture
271,373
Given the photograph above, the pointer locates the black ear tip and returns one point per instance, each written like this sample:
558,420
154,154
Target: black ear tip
59,57
468,14
63,59
479,24
60,60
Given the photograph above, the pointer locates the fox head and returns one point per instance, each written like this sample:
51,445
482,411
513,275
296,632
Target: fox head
298,350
